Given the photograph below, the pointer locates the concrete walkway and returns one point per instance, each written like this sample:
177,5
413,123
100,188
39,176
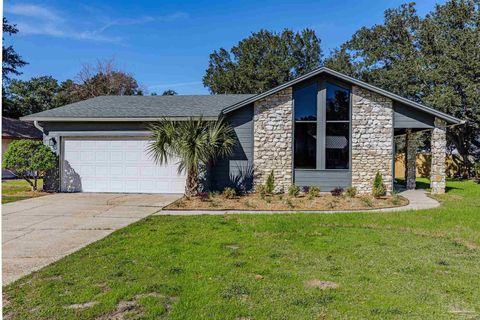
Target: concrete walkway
39,231
418,199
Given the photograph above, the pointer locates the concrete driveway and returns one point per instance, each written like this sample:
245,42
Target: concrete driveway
39,231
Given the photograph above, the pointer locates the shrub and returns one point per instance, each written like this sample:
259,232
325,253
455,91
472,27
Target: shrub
289,203
204,196
229,193
262,191
378,189
367,201
337,192
477,169
270,183
29,159
351,191
395,198
313,192
293,190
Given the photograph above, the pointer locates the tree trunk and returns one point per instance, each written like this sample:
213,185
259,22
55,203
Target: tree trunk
191,189
35,179
33,186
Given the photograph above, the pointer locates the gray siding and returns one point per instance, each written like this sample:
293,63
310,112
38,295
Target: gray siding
327,180
236,171
408,117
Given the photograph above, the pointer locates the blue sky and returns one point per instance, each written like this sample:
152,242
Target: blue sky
166,44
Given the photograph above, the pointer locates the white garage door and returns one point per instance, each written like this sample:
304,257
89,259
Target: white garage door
116,165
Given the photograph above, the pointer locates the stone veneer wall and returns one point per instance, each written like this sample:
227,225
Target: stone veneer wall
411,159
439,149
272,139
372,139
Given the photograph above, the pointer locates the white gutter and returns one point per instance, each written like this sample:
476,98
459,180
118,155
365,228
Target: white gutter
35,123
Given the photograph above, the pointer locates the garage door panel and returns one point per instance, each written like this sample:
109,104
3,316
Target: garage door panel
116,165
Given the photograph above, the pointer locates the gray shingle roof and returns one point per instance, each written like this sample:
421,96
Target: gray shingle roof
142,107
14,128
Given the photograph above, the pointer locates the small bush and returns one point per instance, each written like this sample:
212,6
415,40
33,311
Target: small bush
395,198
289,203
293,190
351,191
262,191
337,192
313,192
367,201
229,193
270,183
477,169
378,189
204,196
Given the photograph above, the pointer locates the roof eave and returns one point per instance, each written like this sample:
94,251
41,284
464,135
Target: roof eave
86,119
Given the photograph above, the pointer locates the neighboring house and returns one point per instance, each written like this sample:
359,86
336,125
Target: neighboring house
14,129
322,129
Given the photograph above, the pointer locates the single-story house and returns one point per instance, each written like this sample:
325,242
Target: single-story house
322,129
14,129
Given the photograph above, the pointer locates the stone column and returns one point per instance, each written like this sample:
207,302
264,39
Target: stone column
439,149
410,159
272,139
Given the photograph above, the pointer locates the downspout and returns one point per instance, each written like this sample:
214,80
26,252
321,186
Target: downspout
35,123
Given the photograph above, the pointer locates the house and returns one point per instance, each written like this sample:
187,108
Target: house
14,129
322,129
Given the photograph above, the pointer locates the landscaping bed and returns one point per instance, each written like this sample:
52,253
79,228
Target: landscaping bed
284,202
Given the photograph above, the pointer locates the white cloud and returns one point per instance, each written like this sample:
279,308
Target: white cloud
31,10
32,19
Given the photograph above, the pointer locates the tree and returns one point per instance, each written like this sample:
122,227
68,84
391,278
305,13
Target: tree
34,95
433,60
11,60
450,45
262,61
103,79
169,92
29,159
194,142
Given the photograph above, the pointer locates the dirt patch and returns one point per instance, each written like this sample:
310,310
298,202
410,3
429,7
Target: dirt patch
124,310
284,202
81,305
232,246
131,309
321,284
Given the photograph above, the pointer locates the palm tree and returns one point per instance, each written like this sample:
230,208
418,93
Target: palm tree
194,142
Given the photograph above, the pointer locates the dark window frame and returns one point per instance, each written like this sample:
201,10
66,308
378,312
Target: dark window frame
304,85
322,123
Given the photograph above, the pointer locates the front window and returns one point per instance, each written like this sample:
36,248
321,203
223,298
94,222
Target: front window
305,153
327,117
337,127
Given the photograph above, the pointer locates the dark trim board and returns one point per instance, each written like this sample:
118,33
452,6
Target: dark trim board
327,180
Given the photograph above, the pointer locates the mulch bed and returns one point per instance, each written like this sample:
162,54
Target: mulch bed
284,202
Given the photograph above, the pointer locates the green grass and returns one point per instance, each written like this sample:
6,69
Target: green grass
415,265
15,190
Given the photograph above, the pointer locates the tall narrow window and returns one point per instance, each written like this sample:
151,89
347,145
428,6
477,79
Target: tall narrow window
337,127
305,99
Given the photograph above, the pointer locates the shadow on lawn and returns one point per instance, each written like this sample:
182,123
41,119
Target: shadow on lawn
426,184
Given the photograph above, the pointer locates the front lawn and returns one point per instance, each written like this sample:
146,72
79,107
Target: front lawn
419,265
15,190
